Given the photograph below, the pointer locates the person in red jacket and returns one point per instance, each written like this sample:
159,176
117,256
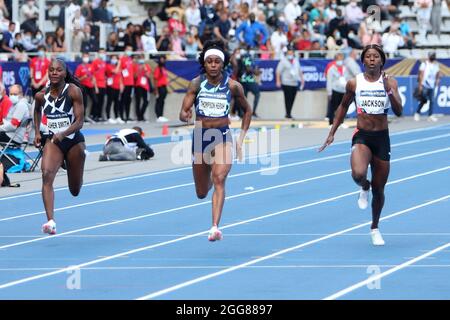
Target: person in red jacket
39,71
126,67
162,80
84,73
113,90
144,83
99,69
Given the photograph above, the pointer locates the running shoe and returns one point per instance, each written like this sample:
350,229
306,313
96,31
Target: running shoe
363,200
49,227
377,239
214,234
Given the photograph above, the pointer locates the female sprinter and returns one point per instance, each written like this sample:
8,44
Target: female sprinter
374,93
211,93
62,110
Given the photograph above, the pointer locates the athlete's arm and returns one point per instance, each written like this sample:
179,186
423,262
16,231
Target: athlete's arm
341,111
189,99
238,93
78,112
38,102
391,87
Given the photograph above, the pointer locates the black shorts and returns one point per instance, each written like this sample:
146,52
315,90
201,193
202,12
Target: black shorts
205,139
377,141
67,143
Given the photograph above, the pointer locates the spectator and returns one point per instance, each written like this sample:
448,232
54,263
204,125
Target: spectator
288,74
424,8
99,71
353,15
392,40
101,13
337,77
177,47
39,71
303,42
279,41
127,68
405,31
353,68
128,37
207,34
316,50
163,14
292,11
144,83
222,27
388,11
27,41
90,42
150,24
208,15
29,14
428,81
335,42
148,41
175,23
19,111
38,39
113,90
436,17
7,43
193,44
254,32
59,45
193,15
49,42
5,103
138,32
162,81
338,23
112,44
164,43
4,12
85,73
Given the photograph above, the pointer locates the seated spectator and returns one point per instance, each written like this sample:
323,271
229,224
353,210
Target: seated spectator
193,44
112,44
388,11
291,11
207,34
279,41
7,41
49,41
150,24
222,27
164,43
126,145
405,31
353,15
316,50
27,42
59,45
148,41
193,16
392,40
18,111
29,14
175,22
38,39
303,42
101,13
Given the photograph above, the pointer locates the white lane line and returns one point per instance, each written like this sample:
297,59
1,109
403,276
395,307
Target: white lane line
281,252
386,273
101,225
230,176
189,167
126,253
306,266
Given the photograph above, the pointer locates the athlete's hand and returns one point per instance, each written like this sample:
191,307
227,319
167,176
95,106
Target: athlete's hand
186,115
329,141
57,137
386,84
239,149
37,140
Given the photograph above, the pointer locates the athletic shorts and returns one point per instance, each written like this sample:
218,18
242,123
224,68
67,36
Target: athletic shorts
205,139
66,144
377,141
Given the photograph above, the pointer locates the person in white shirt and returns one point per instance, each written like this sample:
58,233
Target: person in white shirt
392,40
148,41
428,80
17,113
279,41
292,11
192,14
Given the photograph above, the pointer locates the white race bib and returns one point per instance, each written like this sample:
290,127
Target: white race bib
58,125
143,81
213,107
38,75
342,81
125,73
109,81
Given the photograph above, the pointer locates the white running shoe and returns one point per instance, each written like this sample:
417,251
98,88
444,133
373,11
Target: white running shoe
363,200
112,121
119,120
432,119
377,239
162,119
214,234
416,117
49,227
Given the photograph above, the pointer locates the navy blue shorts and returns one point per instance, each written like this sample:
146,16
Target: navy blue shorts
67,143
205,139
377,141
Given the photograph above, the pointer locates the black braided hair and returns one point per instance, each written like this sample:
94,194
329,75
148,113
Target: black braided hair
213,44
376,47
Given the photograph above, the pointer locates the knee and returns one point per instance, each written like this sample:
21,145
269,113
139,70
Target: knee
48,177
377,192
358,177
218,179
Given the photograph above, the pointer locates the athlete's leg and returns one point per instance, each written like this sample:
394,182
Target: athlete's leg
220,169
360,159
202,176
75,167
52,158
380,173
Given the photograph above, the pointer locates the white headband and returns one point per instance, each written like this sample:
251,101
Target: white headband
214,52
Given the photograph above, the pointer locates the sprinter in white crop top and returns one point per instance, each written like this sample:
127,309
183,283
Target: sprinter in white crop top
373,92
